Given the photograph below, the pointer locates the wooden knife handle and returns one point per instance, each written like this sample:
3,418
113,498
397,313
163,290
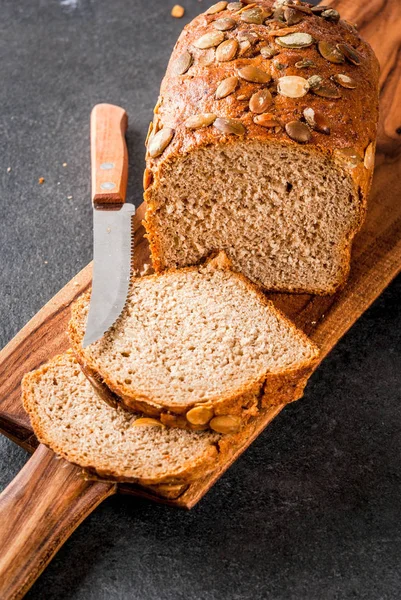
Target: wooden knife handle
109,155
39,510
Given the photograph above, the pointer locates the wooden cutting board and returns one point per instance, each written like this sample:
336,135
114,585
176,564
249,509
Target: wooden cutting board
39,517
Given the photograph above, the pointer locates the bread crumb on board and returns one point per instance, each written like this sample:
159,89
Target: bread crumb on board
177,11
41,180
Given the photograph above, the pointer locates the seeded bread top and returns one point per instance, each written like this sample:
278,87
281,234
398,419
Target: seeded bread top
293,74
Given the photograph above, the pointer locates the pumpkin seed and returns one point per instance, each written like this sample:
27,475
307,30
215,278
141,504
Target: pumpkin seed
254,75
350,54
292,15
159,142
315,81
200,415
227,50
226,87
147,421
150,128
344,80
326,90
266,120
317,121
268,51
210,39
295,40
244,47
229,126
292,86
243,97
248,36
233,6
224,24
225,424
317,10
207,58
253,15
299,132
282,31
278,14
349,156
369,160
200,120
260,101
216,8
331,52
182,63
331,15
304,9
305,63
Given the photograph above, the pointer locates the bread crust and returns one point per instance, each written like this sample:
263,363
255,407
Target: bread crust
353,117
271,389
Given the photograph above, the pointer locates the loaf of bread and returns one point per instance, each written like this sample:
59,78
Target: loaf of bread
262,144
68,416
198,348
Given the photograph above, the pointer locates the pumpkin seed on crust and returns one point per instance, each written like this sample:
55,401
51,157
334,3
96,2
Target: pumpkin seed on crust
325,90
216,8
344,80
266,120
254,16
316,120
159,142
292,86
268,51
254,74
224,24
369,159
260,101
229,126
226,87
295,40
349,156
292,15
305,63
350,53
227,50
331,52
209,40
200,120
182,63
234,6
330,14
298,131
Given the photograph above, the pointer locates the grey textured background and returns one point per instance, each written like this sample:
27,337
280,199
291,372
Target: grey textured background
312,510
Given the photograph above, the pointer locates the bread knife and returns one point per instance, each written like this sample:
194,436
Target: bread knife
112,220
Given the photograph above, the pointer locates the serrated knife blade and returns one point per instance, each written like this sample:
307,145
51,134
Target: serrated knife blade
112,220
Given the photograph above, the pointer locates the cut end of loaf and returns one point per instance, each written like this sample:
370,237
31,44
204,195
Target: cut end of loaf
284,215
201,335
68,416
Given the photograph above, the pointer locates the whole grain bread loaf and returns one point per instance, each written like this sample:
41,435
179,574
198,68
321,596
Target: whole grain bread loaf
68,416
198,348
262,144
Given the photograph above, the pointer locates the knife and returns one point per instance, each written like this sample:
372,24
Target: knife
112,220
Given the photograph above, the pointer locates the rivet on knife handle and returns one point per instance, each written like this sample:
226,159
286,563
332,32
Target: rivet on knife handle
109,156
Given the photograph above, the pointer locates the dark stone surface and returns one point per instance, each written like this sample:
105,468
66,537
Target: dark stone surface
312,510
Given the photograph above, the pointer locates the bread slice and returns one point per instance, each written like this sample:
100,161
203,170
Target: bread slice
68,416
198,347
283,192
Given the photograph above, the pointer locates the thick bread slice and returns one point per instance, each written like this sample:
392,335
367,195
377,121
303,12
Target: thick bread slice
68,416
283,192
200,338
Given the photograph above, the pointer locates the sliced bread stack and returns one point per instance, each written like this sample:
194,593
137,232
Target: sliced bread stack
195,349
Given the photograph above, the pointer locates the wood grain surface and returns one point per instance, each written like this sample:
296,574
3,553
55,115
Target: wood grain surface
376,261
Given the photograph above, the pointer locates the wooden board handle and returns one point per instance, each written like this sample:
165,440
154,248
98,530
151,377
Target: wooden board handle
39,510
109,155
